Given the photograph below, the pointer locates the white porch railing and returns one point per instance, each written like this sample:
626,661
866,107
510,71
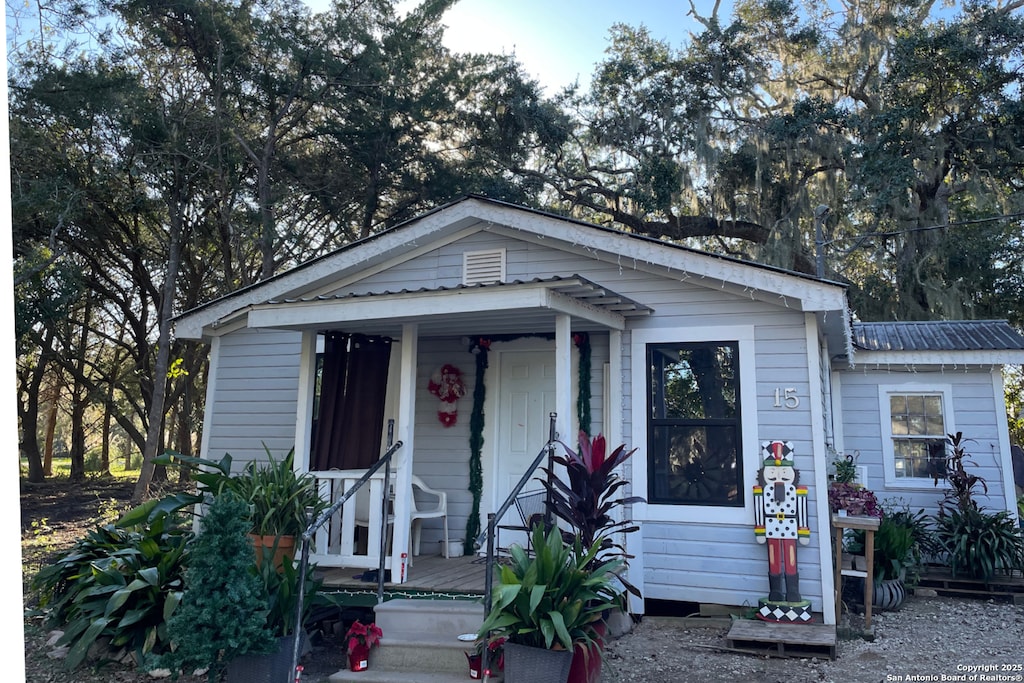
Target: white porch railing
335,543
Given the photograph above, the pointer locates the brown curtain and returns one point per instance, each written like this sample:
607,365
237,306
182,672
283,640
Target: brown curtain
353,385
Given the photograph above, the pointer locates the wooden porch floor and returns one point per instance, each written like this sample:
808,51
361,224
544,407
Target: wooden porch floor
429,573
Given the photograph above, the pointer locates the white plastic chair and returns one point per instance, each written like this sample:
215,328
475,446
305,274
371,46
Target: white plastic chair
440,509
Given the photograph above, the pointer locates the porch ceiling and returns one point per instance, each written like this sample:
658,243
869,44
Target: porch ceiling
496,308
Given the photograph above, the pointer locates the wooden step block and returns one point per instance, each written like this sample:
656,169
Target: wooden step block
783,640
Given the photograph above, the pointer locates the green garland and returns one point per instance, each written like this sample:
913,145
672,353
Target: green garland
479,347
582,340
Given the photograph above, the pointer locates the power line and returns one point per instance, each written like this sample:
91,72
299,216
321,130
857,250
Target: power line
924,228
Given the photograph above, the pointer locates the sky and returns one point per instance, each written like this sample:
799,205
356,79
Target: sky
558,41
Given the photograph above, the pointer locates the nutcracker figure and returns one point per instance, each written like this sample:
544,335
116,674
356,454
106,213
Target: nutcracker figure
780,522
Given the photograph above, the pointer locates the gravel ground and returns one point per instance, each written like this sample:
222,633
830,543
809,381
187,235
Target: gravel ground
928,639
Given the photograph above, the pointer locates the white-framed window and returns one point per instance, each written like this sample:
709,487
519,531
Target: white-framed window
691,387
915,422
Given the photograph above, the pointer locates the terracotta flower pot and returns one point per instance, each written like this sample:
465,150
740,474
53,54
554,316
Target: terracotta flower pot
285,549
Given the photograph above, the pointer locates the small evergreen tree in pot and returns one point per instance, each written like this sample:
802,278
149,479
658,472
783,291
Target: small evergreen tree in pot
223,611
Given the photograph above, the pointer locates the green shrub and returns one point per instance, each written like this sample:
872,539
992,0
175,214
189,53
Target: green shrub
554,597
976,543
223,612
980,545
119,584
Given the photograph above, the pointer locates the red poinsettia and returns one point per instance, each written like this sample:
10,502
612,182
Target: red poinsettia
366,635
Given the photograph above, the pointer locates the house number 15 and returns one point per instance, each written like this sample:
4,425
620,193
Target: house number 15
786,398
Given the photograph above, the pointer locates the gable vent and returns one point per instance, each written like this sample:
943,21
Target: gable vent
483,267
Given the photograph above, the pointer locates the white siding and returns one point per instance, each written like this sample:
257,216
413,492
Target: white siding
974,414
257,384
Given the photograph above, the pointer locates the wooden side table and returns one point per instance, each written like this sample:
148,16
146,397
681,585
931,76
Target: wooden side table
868,525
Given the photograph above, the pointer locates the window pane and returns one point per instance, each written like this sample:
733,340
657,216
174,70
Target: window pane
919,458
899,424
917,415
695,465
915,425
693,381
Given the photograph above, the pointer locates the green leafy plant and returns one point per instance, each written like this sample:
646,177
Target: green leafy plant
118,585
554,598
980,544
277,497
975,543
845,469
901,540
894,546
281,584
224,608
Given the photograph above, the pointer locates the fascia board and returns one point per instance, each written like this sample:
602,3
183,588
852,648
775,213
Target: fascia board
669,261
985,357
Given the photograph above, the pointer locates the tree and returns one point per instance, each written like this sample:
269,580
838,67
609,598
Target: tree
906,125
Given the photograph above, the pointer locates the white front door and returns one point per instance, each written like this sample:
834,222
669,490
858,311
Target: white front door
526,398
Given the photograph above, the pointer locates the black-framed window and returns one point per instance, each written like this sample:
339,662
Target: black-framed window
693,431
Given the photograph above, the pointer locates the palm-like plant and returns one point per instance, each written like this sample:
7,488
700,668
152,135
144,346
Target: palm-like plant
586,501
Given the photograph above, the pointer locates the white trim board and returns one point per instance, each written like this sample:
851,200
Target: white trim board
743,335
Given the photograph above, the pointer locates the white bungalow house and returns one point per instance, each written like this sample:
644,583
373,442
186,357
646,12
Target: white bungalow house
695,360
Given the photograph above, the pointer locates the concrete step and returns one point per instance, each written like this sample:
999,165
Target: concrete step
423,635
420,642
440,617
372,675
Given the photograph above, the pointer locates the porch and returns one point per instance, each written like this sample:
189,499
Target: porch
429,576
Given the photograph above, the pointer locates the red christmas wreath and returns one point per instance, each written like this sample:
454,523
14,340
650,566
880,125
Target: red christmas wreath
446,383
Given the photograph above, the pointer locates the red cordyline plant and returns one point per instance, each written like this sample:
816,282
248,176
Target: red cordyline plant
585,502
359,633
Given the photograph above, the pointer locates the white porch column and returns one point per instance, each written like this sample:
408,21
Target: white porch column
304,411
563,380
614,383
402,460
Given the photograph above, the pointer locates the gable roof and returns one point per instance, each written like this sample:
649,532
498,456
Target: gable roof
523,304
943,341
474,213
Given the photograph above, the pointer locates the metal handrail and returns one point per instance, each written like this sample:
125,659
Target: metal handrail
547,450
307,535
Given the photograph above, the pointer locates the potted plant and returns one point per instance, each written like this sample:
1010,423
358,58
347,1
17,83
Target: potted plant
223,610
280,501
852,499
587,501
360,639
546,604
281,505
844,469
495,657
